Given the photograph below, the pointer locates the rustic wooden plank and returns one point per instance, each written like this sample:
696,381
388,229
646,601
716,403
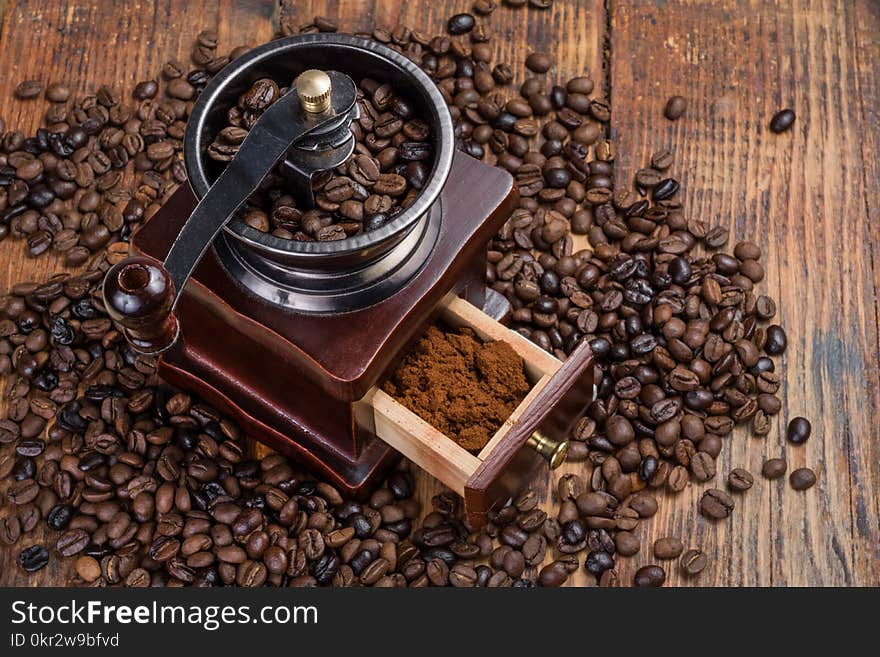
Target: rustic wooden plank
865,34
766,41
86,44
420,441
803,197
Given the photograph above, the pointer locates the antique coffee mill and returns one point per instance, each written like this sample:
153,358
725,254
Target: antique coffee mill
293,338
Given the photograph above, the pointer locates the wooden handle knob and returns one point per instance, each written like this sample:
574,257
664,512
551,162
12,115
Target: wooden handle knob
139,294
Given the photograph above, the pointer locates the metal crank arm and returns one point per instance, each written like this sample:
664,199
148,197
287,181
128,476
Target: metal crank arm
281,126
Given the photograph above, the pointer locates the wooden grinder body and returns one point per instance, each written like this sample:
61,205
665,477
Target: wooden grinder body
294,381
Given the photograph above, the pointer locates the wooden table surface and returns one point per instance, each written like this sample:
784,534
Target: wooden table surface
808,197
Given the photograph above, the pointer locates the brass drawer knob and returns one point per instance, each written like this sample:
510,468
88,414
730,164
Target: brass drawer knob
553,452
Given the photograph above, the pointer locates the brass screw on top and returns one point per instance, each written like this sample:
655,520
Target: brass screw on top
313,88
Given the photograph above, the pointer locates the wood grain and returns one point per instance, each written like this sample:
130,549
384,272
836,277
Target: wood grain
808,197
86,44
421,442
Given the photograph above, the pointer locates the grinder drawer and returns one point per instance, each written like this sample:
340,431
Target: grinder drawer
534,435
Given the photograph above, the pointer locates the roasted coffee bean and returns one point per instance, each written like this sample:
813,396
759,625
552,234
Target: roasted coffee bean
669,547
538,62
716,504
652,576
799,430
33,558
675,107
702,466
802,479
626,543
460,24
72,542
774,468
553,575
740,479
59,517
88,568
782,121
28,89
776,340
693,562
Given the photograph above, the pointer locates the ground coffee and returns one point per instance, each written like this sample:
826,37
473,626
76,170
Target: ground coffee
464,387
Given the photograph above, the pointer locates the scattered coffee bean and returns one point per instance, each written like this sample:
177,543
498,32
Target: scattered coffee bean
675,108
538,62
740,479
28,89
669,547
774,468
802,479
460,24
652,576
693,562
88,569
33,558
716,504
799,430
782,120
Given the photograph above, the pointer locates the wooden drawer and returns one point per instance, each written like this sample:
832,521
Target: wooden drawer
534,436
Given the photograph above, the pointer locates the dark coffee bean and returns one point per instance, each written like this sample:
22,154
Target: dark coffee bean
675,108
538,62
460,24
799,430
652,576
553,575
776,340
802,479
33,558
59,517
782,121
598,562
573,532
665,189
